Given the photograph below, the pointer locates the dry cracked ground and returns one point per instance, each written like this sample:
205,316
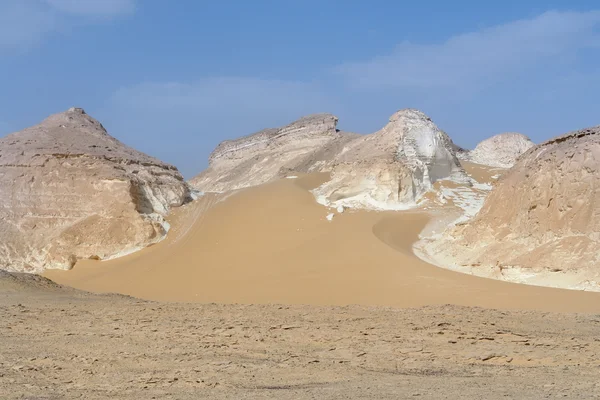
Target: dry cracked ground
58,343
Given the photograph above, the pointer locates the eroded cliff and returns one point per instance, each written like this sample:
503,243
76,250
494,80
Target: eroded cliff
69,190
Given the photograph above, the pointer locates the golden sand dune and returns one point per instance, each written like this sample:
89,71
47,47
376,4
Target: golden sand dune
273,244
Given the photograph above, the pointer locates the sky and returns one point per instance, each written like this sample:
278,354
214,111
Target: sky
175,78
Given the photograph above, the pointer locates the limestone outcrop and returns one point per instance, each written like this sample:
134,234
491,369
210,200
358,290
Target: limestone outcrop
68,190
394,167
541,222
501,151
391,168
306,145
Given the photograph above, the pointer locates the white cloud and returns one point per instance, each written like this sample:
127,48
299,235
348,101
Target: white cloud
478,58
94,7
24,23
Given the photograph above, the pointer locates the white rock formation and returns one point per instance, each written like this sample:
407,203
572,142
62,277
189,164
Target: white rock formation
305,145
394,167
389,169
501,150
69,190
541,222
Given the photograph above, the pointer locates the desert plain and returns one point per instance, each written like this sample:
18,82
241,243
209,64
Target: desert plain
295,266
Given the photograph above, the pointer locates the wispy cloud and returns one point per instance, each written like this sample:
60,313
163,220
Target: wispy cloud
478,58
24,23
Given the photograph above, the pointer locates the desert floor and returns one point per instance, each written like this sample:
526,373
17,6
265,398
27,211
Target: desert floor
58,343
285,327
273,244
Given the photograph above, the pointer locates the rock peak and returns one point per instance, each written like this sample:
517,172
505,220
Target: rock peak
73,114
410,113
393,167
69,132
77,110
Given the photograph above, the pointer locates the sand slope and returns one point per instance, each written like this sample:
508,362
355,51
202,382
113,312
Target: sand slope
272,244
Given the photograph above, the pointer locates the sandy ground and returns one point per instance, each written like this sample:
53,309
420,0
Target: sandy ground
272,244
63,344
482,173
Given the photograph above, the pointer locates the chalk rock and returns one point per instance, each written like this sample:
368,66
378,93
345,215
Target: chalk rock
542,217
394,167
68,190
501,150
306,145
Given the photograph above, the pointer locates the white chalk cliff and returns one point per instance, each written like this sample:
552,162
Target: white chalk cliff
541,222
68,190
391,168
394,167
501,151
306,145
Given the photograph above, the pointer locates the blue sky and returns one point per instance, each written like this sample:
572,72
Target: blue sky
174,78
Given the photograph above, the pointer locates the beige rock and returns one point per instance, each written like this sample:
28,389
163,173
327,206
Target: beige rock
69,190
541,222
306,145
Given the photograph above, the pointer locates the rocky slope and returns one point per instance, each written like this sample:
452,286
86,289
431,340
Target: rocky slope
69,190
305,145
391,168
541,222
394,167
500,150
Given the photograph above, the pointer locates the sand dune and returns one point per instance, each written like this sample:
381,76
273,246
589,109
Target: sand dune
273,244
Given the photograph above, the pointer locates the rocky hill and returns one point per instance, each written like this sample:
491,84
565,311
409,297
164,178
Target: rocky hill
302,146
500,150
69,190
541,222
390,168
393,167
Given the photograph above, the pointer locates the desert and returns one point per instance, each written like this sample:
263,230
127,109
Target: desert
263,289
299,201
